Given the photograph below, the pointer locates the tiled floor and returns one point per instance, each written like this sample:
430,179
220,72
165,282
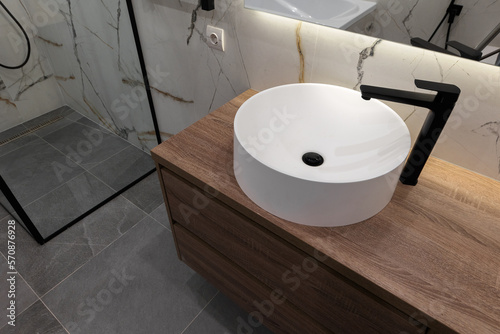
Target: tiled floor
114,272
64,169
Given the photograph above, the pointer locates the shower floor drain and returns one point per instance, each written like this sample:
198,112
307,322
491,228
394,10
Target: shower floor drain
30,130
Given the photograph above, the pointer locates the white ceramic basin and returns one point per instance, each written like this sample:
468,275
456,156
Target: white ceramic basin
363,143
332,13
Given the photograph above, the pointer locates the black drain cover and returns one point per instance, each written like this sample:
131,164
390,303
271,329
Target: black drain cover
313,159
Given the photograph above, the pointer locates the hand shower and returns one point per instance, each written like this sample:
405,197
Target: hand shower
25,36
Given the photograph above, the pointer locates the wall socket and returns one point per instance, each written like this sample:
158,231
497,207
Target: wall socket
215,37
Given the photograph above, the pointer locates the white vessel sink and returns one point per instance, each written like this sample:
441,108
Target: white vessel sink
332,13
363,144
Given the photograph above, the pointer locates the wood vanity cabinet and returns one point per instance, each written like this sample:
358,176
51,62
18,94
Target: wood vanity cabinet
371,277
288,289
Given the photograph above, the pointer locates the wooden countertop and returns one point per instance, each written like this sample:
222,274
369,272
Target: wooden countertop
433,252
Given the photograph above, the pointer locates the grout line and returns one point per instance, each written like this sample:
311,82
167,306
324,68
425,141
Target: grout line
203,309
108,158
147,214
64,154
34,132
81,166
17,148
64,118
28,285
48,309
104,182
31,130
109,132
94,256
46,194
91,258
168,228
86,169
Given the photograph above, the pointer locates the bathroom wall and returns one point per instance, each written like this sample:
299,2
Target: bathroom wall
32,90
398,21
95,64
263,50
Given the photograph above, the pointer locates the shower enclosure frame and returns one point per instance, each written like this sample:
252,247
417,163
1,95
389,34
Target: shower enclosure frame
4,188
16,206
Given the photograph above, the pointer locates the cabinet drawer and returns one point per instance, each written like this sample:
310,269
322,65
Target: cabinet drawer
253,296
324,295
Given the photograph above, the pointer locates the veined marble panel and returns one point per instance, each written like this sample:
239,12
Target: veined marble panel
263,50
198,79
30,91
92,48
398,21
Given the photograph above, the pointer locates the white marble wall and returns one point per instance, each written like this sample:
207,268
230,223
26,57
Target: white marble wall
91,47
398,21
264,50
32,90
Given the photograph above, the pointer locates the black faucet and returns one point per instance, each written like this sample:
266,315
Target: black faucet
207,4
440,106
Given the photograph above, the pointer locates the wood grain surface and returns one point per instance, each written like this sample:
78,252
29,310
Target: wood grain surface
433,252
282,317
325,296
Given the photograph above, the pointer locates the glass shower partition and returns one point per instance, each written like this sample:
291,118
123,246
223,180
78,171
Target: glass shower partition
57,168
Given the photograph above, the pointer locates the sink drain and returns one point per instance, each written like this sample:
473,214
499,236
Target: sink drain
313,159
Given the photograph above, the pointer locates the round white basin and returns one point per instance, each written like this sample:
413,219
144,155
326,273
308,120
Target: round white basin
363,145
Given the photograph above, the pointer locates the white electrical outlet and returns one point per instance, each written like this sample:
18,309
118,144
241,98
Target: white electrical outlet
215,37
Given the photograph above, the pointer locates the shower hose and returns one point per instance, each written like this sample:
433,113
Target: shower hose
25,36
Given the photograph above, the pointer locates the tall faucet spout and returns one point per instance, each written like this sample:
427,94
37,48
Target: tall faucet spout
400,96
440,105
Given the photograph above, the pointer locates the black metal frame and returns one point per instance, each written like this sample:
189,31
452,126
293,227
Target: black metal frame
25,220
15,203
145,77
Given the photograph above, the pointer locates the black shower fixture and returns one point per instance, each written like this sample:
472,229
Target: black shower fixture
207,4
28,45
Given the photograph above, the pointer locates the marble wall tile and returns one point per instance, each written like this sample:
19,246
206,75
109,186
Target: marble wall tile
264,50
96,66
30,91
398,21
198,79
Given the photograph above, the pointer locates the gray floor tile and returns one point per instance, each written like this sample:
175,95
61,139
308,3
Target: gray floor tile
74,116
147,194
11,132
15,144
53,127
65,203
123,168
85,145
137,285
43,267
59,112
161,216
3,211
36,320
223,316
90,123
36,169
23,298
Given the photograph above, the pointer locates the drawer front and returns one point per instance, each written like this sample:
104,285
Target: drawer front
304,280
253,296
